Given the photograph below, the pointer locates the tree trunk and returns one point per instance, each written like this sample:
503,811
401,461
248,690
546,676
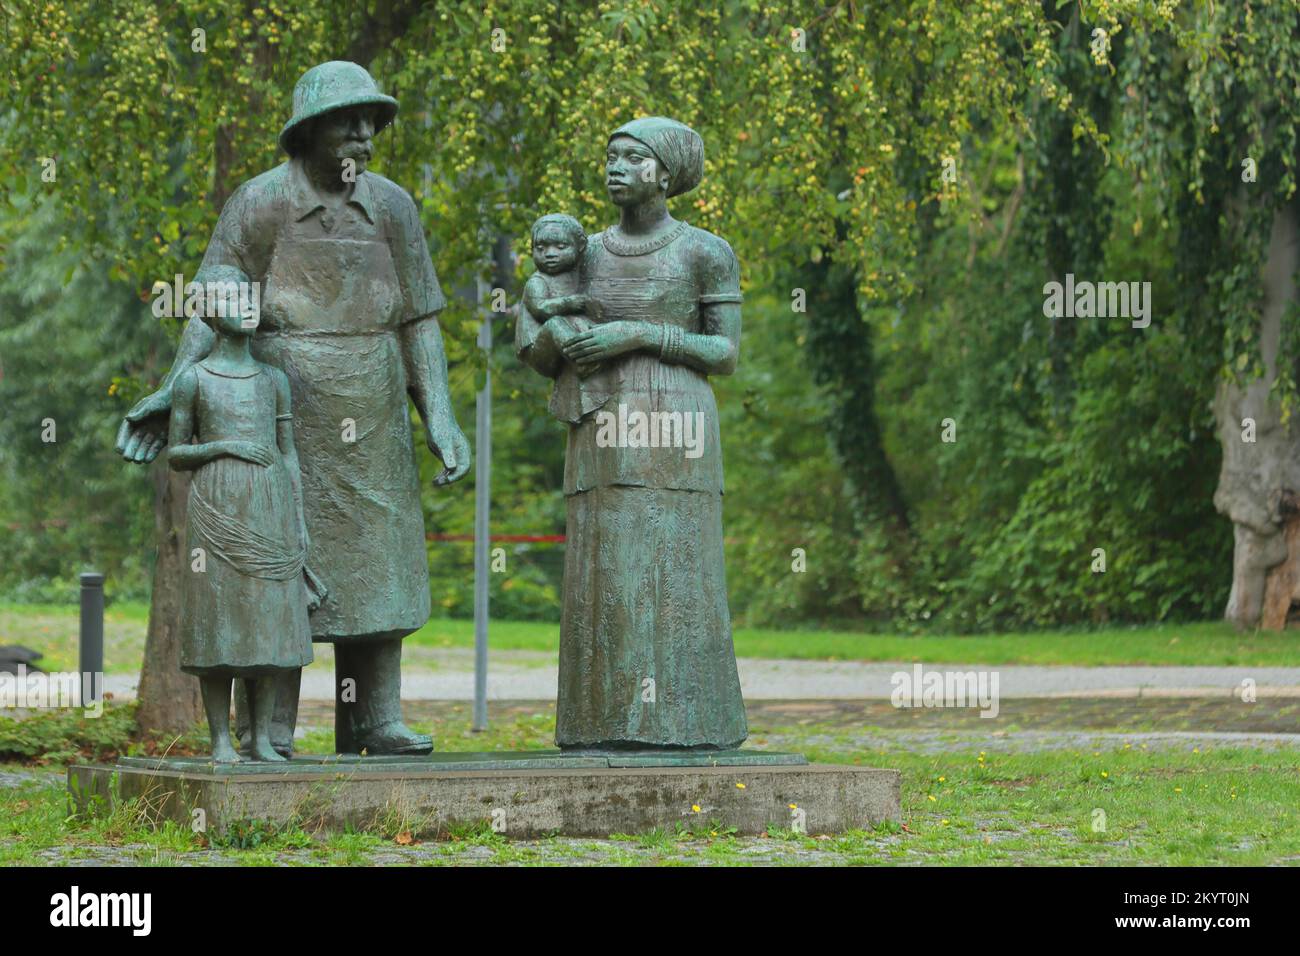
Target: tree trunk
1283,581
169,699
1258,478
842,357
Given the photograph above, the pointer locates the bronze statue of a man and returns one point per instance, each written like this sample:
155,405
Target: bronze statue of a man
349,305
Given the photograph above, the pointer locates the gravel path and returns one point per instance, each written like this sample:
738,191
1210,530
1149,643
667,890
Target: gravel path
528,675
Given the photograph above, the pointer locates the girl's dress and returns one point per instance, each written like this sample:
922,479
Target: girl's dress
246,611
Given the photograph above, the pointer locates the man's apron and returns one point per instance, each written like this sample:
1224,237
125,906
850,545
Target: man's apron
330,307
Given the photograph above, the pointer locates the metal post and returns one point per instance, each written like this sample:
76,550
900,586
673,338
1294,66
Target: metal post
482,539
91,663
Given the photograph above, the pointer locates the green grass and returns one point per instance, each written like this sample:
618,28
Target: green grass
1121,803
513,732
1206,643
1212,643
53,630
1219,806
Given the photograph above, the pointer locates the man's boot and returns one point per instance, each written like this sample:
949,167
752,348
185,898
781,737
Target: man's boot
368,700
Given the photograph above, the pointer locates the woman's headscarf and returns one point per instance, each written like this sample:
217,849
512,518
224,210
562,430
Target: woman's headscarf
677,147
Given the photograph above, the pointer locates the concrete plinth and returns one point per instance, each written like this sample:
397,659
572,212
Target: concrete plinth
521,795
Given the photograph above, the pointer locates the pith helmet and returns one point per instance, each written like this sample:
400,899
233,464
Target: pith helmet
332,86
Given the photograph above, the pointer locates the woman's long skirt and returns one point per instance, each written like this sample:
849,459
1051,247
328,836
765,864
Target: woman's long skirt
646,656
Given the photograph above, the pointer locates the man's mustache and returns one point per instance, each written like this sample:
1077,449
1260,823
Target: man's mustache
356,149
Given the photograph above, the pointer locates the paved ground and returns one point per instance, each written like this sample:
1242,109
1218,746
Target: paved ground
447,674
1267,718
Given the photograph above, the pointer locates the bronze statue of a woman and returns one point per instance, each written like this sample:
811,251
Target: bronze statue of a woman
646,655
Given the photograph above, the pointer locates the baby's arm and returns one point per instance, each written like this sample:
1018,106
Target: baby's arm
545,308
562,317
565,305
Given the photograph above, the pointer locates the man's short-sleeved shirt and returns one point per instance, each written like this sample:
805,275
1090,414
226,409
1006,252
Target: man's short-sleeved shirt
280,233
337,284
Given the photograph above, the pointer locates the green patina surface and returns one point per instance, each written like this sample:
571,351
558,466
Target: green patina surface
347,321
646,654
326,765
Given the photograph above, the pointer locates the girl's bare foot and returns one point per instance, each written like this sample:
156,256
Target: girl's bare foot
223,752
264,751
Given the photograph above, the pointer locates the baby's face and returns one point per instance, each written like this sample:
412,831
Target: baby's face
554,249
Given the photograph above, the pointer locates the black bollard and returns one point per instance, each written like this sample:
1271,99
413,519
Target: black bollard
92,635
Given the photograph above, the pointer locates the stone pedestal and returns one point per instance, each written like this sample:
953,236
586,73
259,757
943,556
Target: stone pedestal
521,795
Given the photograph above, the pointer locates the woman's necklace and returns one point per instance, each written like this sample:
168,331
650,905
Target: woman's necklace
623,247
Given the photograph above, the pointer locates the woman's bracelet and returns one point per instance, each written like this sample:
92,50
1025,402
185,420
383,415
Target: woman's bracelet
671,344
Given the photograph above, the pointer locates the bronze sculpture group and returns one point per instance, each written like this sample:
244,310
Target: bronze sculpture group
305,501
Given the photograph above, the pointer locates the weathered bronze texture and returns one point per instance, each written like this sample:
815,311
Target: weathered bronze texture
349,301
646,654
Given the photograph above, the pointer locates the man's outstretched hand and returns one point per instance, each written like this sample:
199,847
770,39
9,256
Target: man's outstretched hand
449,443
144,430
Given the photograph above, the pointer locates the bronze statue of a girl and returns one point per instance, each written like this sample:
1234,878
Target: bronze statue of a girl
246,596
